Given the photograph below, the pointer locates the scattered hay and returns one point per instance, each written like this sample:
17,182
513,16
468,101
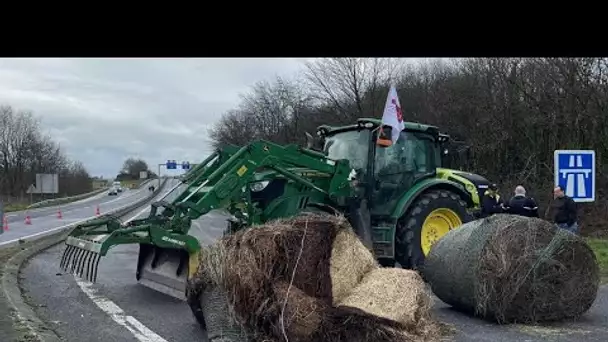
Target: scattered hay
514,269
403,297
304,278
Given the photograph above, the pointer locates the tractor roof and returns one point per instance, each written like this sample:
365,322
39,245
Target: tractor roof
373,122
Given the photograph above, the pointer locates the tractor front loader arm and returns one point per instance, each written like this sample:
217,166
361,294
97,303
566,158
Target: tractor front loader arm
213,184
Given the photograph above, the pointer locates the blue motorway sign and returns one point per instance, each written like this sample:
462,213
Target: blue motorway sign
186,165
171,165
575,172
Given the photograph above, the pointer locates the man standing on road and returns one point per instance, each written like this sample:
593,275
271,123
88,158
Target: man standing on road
563,210
522,205
491,203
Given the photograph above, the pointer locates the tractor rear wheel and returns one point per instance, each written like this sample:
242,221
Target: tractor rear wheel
432,215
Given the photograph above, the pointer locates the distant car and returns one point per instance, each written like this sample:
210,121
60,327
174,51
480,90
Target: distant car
113,192
116,185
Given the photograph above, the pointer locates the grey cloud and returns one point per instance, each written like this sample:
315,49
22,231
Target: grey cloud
105,110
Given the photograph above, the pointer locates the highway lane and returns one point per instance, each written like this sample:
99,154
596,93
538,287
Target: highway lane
47,220
19,216
79,311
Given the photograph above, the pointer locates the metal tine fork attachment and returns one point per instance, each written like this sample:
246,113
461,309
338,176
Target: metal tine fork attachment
78,261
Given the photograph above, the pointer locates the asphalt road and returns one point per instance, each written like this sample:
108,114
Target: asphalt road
116,308
44,219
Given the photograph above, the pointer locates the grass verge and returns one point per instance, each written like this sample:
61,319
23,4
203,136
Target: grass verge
600,247
58,201
15,207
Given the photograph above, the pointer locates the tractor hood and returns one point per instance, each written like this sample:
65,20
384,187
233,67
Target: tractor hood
480,183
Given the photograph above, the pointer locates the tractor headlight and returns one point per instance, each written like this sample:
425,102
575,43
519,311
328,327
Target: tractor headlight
259,186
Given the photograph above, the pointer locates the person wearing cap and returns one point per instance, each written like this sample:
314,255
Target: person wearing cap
491,202
520,204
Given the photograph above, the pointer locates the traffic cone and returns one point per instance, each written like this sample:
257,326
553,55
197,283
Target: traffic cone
59,215
28,219
5,222
97,211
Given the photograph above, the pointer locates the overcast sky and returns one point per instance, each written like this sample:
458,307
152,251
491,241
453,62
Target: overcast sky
105,110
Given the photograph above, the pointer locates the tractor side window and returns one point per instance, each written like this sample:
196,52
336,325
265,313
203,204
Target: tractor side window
352,146
410,154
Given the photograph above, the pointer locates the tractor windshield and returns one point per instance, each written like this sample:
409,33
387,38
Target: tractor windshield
351,145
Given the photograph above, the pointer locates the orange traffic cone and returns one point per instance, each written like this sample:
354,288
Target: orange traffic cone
97,211
59,215
28,219
5,222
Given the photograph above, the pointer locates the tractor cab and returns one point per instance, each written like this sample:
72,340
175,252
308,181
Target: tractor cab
385,171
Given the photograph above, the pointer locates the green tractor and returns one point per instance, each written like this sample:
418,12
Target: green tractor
397,197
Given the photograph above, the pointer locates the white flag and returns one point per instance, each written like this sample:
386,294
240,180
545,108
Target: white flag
393,116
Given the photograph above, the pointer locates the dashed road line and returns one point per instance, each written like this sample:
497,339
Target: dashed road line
140,331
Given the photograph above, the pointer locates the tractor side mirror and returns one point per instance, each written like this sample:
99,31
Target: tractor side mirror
385,136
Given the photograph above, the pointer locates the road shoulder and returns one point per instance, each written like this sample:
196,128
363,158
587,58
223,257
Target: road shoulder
18,321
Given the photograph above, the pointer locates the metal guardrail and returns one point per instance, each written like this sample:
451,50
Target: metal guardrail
65,199
61,200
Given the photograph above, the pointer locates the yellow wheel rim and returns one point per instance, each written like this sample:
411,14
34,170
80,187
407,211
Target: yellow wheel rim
439,222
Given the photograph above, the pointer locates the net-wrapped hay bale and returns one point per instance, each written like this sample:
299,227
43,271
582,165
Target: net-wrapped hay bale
284,278
514,269
220,324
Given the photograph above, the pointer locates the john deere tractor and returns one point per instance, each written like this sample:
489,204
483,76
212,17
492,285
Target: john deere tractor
396,196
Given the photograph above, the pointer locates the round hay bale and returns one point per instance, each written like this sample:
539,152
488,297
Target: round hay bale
350,261
220,324
514,269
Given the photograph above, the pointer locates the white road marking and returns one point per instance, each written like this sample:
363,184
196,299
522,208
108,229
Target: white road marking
140,331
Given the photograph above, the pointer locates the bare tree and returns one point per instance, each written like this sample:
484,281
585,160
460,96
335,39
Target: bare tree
344,83
25,151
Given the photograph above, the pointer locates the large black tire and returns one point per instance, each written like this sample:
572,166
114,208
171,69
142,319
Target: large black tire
408,244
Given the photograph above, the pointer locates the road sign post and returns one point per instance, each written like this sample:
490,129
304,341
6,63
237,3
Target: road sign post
574,170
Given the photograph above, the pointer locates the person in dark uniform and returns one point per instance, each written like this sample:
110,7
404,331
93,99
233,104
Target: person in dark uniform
522,205
563,211
491,202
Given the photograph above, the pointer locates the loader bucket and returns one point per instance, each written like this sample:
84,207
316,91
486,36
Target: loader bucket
163,269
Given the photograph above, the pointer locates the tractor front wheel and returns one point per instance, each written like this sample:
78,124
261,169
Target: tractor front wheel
432,215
